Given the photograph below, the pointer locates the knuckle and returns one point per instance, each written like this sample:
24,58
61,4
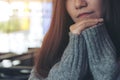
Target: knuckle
70,27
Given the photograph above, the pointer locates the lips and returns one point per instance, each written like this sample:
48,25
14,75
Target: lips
83,14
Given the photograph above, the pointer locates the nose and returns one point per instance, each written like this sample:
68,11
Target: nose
80,4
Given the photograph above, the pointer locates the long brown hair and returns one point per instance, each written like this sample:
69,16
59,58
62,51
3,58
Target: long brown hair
55,40
57,37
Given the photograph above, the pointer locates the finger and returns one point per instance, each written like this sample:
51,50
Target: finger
89,20
88,24
79,27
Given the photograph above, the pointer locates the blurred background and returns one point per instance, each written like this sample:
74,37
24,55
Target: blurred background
23,24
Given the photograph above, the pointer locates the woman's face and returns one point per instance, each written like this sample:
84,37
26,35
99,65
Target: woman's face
81,9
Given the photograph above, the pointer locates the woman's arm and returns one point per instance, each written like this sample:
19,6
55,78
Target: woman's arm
101,53
73,62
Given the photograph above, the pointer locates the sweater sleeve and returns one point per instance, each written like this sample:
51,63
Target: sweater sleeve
101,53
73,63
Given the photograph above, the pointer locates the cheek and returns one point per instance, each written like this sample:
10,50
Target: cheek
99,11
70,9
97,7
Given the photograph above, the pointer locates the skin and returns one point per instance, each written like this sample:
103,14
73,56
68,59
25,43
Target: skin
93,16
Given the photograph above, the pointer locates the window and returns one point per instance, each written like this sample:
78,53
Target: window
23,24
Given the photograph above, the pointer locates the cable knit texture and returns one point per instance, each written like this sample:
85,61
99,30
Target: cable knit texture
94,47
101,53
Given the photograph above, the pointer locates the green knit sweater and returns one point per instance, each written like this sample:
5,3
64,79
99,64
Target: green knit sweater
92,47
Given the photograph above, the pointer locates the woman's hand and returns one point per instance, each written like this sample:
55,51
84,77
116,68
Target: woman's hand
77,28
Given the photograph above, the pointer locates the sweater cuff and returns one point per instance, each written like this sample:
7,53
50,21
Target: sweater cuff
73,36
98,40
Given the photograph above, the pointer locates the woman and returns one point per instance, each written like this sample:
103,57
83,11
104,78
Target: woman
82,42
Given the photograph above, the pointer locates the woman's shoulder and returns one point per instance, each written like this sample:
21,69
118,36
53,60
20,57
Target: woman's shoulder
33,73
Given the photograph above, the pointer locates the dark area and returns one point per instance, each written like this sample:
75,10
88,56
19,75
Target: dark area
20,71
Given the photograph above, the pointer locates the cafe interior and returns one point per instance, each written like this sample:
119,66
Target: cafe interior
23,24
